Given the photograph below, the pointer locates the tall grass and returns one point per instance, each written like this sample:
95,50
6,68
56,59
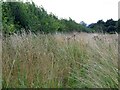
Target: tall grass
51,61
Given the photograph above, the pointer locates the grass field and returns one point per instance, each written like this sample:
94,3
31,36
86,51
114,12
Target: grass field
77,60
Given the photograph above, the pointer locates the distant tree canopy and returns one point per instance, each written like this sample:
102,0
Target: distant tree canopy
118,24
19,16
110,26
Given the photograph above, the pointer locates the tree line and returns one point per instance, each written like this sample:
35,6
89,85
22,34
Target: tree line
27,16
110,26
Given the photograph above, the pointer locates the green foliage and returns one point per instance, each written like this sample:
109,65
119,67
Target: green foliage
19,15
28,16
110,26
118,24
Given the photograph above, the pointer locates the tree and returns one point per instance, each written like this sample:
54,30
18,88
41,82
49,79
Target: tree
29,17
83,23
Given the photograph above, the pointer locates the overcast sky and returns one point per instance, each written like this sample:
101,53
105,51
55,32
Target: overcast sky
89,11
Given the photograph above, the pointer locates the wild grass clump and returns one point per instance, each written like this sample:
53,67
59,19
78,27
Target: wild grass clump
49,61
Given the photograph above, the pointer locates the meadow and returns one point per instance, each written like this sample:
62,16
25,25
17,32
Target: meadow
74,60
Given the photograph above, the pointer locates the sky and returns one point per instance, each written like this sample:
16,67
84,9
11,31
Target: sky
89,11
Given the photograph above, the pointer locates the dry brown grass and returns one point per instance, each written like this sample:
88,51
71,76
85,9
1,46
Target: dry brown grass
53,61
